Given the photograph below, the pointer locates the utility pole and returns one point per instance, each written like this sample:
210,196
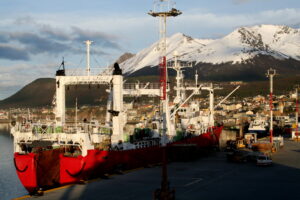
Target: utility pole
271,73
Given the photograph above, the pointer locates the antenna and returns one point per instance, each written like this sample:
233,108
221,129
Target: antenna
63,63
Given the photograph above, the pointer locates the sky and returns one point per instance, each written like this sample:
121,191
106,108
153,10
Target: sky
36,34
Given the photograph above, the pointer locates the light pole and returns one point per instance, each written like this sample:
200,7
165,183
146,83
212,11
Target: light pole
296,114
163,9
271,73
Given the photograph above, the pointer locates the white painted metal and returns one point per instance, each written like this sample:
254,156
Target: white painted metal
138,89
271,73
108,107
227,96
85,135
196,78
60,101
118,119
88,68
186,100
76,118
210,89
211,106
180,89
62,81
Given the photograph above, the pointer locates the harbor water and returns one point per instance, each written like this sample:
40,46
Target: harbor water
10,186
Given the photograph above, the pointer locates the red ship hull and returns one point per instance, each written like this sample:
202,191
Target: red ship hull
51,168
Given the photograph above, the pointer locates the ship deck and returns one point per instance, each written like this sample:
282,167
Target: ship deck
209,177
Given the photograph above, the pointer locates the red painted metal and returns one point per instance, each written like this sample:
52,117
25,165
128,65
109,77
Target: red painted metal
297,119
99,162
26,169
163,77
211,138
271,108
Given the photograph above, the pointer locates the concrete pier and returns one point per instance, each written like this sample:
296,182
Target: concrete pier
210,177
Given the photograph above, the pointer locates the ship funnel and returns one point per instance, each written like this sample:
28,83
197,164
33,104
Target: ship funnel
117,70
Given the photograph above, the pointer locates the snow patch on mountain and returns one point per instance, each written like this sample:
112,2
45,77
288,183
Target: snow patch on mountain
242,44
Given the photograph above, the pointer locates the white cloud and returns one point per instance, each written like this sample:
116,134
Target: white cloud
132,33
14,77
241,1
129,27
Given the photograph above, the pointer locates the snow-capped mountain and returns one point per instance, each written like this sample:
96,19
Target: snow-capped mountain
240,46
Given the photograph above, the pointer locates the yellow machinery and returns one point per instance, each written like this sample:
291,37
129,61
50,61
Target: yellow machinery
240,144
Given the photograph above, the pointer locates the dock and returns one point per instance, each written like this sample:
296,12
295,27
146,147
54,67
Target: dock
209,177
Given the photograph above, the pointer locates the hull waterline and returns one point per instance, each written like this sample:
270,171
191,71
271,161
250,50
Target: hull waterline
51,168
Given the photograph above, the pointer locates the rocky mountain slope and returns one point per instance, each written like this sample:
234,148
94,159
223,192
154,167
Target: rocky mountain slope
40,93
245,49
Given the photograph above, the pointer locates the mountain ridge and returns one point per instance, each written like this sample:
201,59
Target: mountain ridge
239,46
243,55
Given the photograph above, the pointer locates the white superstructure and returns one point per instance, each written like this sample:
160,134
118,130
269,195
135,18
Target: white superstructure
83,135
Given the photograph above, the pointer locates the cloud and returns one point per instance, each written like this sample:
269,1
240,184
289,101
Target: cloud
37,44
3,38
14,77
40,38
26,20
240,1
28,38
13,53
100,38
54,33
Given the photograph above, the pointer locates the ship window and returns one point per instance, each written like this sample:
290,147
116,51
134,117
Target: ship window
154,126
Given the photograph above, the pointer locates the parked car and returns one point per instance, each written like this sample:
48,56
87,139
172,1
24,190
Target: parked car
263,160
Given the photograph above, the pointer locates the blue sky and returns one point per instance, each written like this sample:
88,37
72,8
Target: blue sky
36,34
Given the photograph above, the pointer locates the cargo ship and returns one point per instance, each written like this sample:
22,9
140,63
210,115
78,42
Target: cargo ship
49,154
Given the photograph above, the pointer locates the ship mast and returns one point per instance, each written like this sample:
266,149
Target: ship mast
88,68
76,116
164,9
180,90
